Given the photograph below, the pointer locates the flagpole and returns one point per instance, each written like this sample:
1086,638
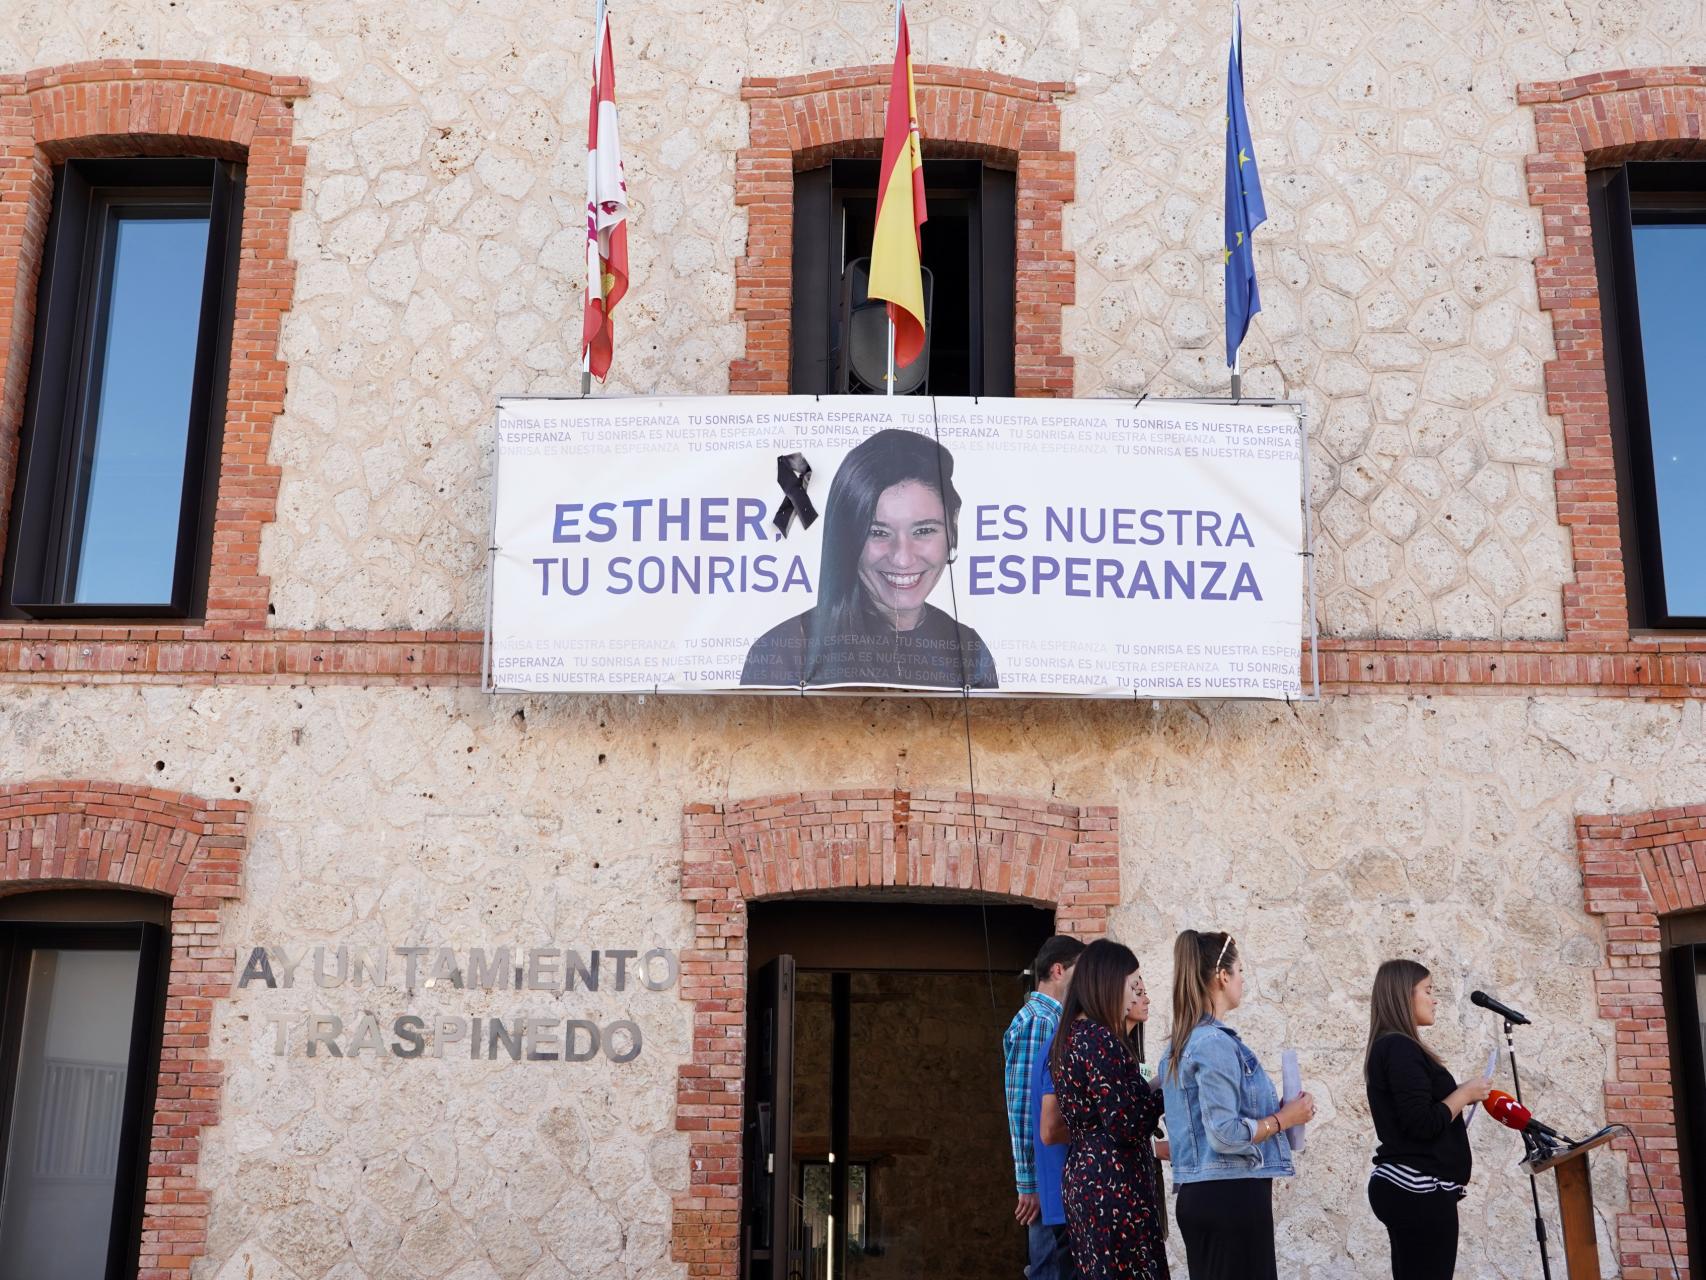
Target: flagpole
1238,45
597,53
888,387
1238,355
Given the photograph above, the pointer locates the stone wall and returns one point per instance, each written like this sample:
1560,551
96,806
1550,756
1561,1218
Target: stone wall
436,262
1326,837
439,251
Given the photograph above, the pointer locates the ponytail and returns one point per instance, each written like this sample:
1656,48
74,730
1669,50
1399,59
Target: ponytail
1197,957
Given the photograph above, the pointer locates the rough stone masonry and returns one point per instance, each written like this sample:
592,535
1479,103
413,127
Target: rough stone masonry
437,258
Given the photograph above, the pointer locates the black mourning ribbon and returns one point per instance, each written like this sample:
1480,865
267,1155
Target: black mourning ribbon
793,474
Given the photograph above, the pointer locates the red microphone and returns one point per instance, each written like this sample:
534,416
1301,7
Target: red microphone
1513,1115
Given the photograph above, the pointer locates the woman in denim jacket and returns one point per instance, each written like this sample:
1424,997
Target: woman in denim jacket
1223,1119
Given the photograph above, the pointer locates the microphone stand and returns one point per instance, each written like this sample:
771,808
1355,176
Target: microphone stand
1534,1150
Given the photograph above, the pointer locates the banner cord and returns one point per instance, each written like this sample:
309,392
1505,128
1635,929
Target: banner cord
1652,1195
965,707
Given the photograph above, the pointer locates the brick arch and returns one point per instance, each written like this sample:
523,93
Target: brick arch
1636,869
1589,122
151,107
800,122
104,835
823,842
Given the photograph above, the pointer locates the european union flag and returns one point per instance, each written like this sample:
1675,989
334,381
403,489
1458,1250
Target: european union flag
1244,208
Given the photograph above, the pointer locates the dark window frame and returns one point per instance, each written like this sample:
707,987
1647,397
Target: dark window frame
1620,199
985,194
17,940
38,580
1682,946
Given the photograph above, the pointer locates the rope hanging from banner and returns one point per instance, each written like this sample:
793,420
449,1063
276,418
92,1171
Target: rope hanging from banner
965,720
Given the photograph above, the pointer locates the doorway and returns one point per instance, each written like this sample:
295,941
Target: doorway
1683,984
876,1141
82,986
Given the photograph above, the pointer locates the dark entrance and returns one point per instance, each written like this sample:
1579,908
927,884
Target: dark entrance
876,1137
1683,980
82,985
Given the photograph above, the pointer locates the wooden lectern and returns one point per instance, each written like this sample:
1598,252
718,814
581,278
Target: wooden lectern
1575,1203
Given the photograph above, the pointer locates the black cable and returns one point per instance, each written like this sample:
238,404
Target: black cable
1651,1195
965,706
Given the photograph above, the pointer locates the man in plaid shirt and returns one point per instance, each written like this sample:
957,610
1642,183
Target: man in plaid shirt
1029,1035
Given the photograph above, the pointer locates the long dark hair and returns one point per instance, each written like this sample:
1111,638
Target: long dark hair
1392,1006
888,458
1197,958
1098,993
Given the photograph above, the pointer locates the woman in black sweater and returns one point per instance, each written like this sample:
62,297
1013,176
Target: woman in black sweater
1421,1168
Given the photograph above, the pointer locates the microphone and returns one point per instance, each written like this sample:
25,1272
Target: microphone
1513,1115
1499,1007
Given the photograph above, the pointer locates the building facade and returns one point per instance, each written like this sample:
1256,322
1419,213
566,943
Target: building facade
277,785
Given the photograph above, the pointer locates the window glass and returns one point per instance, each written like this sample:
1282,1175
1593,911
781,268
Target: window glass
1670,273
62,1156
119,453
839,335
1698,1030
814,1035
145,378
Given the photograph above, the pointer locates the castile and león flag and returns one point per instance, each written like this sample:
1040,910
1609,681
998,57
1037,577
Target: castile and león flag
606,214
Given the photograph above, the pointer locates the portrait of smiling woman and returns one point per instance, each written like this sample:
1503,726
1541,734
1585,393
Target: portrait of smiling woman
889,533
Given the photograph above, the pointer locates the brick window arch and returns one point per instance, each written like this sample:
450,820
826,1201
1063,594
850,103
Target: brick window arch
1035,851
166,108
190,851
798,122
1588,122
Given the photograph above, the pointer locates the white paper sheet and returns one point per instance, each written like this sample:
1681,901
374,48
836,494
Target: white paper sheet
1291,1084
1492,1061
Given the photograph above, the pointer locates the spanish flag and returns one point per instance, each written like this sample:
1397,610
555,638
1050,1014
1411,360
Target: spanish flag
895,268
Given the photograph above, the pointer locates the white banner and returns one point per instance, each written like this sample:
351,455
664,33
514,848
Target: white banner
1084,546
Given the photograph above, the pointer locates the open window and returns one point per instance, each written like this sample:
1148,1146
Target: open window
81,986
112,510
1649,230
967,251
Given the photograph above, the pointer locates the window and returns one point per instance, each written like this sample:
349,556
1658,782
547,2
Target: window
1649,224
968,251
817,1200
80,1021
112,513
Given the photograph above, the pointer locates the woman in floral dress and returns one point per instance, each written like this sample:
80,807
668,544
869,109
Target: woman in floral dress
1114,1216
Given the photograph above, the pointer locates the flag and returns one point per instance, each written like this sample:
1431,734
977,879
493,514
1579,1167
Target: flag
896,272
606,211
1244,208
